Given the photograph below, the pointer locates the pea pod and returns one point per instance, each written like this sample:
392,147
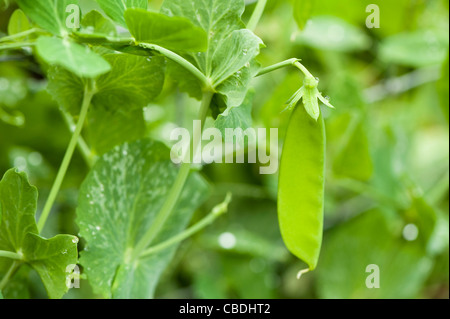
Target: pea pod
301,186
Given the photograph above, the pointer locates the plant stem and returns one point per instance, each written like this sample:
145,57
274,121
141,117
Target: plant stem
277,66
256,15
82,145
302,68
18,35
181,61
10,254
212,216
16,45
8,274
88,93
177,187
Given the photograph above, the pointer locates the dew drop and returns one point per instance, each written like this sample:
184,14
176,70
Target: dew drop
98,227
75,240
317,79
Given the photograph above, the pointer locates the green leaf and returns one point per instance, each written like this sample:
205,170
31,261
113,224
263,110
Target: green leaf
108,129
52,259
301,186
415,49
235,88
18,23
334,34
18,206
367,240
237,117
218,18
173,33
302,12
118,202
95,29
230,47
235,52
133,82
95,22
50,15
115,9
19,234
74,57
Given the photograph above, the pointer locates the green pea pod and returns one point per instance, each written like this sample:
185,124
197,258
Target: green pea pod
301,186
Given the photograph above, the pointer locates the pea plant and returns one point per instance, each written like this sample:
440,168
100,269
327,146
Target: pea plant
135,204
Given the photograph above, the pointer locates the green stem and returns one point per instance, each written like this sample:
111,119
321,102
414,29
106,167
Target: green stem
8,274
277,66
176,189
18,35
20,45
257,14
83,147
10,254
88,93
181,61
208,220
302,68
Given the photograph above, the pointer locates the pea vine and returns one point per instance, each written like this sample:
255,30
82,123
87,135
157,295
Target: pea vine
135,205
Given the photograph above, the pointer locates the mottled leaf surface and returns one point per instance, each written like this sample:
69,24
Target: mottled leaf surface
118,202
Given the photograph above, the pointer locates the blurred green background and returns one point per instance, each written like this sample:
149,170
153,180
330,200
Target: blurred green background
387,184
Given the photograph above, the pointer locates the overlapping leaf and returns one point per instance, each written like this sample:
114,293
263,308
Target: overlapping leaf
74,57
19,234
115,9
231,49
118,202
133,82
50,15
174,33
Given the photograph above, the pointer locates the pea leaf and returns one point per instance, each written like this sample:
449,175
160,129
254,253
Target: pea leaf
18,206
118,202
48,14
302,12
237,117
107,129
301,186
218,18
74,57
230,47
174,33
51,259
18,23
133,82
236,51
115,9
19,234
95,22
95,29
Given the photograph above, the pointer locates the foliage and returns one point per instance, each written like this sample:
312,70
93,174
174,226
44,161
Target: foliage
86,113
